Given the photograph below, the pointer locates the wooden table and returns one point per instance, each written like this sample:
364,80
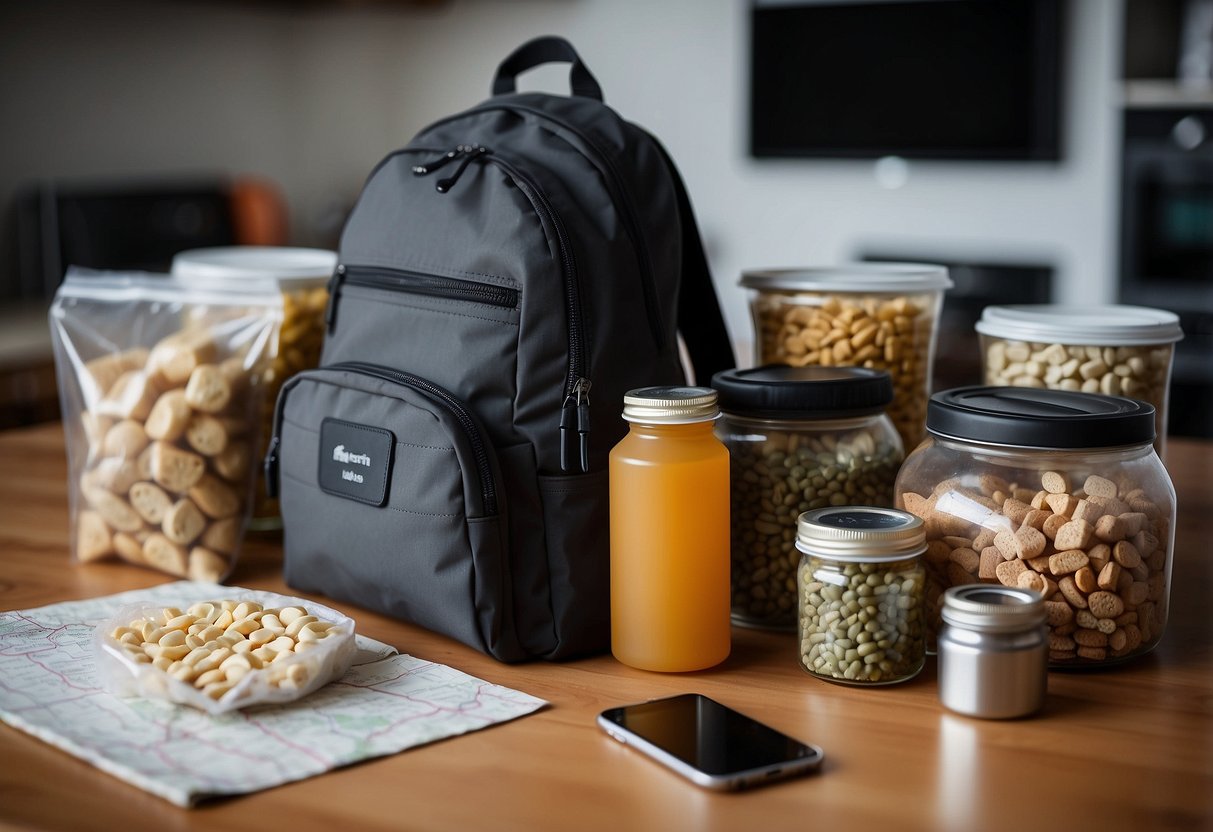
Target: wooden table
1126,748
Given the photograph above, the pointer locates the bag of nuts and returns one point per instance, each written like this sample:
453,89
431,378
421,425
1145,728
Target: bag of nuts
160,384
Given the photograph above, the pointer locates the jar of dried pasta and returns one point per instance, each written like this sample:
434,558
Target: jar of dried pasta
880,316
302,276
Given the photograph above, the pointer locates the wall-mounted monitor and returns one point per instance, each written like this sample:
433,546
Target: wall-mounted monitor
927,79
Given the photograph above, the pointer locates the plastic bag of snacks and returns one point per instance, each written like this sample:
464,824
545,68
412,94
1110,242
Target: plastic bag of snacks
160,387
256,648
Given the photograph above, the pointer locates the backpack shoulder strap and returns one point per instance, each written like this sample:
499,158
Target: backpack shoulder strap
700,320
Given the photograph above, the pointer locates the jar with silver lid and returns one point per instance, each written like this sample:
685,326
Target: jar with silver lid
860,587
993,651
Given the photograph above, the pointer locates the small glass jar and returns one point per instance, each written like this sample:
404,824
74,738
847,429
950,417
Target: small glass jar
860,584
799,438
1113,350
993,651
881,316
302,276
1057,492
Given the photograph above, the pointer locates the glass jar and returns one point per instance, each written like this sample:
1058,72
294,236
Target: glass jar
669,486
301,275
860,584
881,316
1113,350
1057,492
799,438
993,651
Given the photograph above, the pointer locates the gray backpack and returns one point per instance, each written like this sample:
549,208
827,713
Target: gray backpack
503,281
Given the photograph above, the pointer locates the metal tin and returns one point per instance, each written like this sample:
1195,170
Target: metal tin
993,651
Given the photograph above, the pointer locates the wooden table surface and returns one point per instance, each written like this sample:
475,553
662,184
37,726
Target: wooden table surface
1125,748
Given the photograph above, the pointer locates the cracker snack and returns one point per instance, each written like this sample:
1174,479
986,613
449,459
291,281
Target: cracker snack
160,385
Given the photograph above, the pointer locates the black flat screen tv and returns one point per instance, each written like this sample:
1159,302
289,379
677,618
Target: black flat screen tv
925,79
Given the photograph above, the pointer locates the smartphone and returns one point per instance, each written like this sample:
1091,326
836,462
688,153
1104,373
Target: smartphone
708,743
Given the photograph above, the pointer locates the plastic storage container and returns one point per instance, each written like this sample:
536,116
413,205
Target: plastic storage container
799,438
1057,492
669,483
861,590
302,276
1113,350
881,316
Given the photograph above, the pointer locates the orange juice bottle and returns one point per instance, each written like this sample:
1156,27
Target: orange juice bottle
669,482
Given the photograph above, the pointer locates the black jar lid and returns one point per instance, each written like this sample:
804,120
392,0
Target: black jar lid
777,391
1027,417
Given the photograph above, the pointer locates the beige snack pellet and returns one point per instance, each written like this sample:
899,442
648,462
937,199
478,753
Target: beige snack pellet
194,647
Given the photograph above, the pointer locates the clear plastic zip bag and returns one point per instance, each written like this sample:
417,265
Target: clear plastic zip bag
160,386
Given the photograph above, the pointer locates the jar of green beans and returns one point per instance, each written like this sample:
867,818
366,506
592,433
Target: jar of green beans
799,438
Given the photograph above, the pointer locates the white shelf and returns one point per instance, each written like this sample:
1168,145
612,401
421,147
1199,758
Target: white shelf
1152,93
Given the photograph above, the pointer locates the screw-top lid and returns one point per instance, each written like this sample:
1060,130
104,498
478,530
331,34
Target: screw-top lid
993,608
283,264
859,533
1097,326
777,391
670,405
1026,417
852,277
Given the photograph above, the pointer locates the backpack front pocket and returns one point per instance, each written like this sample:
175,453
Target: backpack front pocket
390,500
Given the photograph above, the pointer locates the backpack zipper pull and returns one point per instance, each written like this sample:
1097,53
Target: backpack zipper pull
271,469
330,308
469,153
568,420
430,167
582,392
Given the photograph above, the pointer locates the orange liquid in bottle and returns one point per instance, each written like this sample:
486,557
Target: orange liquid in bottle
670,547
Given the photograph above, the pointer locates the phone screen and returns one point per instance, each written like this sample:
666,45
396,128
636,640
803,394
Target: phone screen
709,736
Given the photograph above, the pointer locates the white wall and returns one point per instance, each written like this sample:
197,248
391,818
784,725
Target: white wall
314,98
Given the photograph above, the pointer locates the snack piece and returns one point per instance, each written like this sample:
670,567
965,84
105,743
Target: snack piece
111,474
150,501
129,548
169,417
175,469
223,536
206,434
106,369
205,565
93,540
165,555
124,440
131,397
116,511
216,499
207,389
183,522
174,358
232,463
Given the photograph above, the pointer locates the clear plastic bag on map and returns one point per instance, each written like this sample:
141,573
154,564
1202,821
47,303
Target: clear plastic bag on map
161,384
284,678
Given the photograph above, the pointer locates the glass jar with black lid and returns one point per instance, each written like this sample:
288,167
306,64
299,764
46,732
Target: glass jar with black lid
799,438
1053,491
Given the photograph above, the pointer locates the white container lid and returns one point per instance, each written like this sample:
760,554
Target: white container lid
1103,326
286,265
852,277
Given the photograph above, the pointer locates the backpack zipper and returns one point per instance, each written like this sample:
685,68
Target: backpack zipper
488,485
415,283
620,196
574,424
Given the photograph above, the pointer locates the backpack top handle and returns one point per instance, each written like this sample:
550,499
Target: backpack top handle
546,50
